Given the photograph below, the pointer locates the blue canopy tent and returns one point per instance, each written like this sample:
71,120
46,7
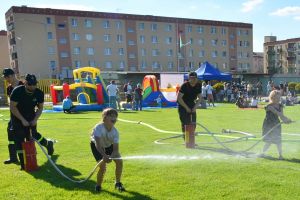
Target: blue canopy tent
208,72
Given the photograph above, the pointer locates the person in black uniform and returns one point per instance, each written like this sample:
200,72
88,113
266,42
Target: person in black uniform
188,99
23,103
9,76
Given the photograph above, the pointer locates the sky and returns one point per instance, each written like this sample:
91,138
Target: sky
279,18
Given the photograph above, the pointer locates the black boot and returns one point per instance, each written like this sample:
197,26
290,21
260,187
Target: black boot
50,147
12,155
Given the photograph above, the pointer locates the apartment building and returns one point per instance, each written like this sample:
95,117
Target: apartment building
281,56
52,42
258,63
4,52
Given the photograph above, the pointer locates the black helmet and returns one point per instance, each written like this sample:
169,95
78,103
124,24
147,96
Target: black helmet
7,71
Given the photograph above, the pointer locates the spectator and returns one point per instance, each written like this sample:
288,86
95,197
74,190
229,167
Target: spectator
112,91
138,97
68,105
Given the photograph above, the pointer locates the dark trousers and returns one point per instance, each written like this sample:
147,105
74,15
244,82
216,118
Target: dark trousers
138,104
22,133
186,118
11,142
69,110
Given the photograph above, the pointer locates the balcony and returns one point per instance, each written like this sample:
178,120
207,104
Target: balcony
12,41
10,26
14,56
291,49
291,56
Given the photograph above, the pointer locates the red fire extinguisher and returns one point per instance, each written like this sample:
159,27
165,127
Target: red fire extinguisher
190,136
30,160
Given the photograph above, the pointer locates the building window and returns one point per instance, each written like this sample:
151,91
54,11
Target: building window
170,65
51,50
214,54
107,51
232,46
77,64
143,52
224,42
143,64
225,65
130,30
224,54
191,41
121,51
141,26
89,37
74,22
142,39
118,24
201,53
108,64
246,32
169,27
90,51
155,52
154,39
119,38
155,65
223,31
240,54
213,30
239,32
52,65
106,37
62,40
49,21
214,42
76,50
231,36
201,42
61,26
64,54
189,29
50,36
191,53
75,36
121,64
132,55
200,29
92,63
106,24
169,40
154,27
131,43
88,23
170,52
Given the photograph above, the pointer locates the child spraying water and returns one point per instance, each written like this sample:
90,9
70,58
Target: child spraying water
271,129
105,145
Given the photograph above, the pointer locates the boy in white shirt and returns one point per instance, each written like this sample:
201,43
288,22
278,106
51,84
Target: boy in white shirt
105,147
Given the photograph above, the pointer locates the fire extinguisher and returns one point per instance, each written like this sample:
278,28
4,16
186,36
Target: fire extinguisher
30,160
190,134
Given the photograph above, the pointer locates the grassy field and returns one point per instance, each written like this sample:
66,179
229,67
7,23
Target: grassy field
214,173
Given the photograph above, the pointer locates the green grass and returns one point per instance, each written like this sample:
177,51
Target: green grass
218,174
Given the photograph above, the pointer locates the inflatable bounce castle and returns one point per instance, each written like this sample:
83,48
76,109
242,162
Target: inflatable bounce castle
88,93
152,92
